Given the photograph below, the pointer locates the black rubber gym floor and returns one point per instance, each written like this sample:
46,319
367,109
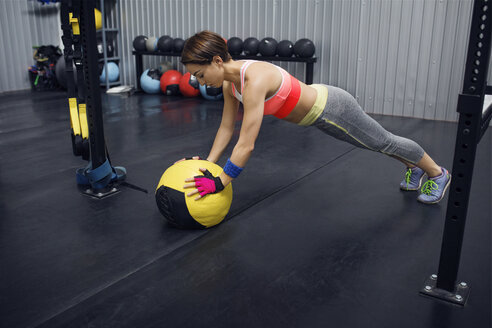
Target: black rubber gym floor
319,234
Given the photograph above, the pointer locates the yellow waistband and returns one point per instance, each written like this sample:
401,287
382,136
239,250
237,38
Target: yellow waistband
318,106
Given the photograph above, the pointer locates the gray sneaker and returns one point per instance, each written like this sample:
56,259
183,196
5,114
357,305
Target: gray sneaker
435,188
413,179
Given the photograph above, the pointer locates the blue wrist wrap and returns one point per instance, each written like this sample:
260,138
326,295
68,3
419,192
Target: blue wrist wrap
232,169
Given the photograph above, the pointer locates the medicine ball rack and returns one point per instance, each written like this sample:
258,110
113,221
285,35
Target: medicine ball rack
309,62
474,117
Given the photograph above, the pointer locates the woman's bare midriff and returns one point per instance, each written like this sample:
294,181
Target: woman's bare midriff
305,103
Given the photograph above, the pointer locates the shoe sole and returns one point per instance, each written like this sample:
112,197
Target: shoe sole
442,196
420,184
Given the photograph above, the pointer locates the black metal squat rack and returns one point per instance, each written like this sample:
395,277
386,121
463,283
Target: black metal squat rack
474,119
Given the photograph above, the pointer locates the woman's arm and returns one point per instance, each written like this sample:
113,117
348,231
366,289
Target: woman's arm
226,129
254,94
253,101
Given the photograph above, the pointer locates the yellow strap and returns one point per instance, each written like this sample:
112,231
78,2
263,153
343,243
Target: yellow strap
83,121
75,24
74,116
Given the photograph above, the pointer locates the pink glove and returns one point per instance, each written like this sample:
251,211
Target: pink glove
208,184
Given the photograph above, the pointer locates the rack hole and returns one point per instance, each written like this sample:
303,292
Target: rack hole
477,62
478,53
454,218
461,175
462,160
464,146
476,71
484,18
482,27
474,79
457,204
485,8
480,44
480,36
468,123
458,189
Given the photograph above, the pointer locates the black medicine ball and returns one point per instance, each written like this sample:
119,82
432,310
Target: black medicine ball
304,48
178,45
165,43
212,91
235,46
250,46
285,48
139,43
268,47
154,74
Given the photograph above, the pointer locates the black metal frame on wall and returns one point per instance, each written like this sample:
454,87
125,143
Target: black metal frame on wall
474,120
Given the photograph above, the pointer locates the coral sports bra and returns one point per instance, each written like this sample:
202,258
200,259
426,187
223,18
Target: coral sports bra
283,101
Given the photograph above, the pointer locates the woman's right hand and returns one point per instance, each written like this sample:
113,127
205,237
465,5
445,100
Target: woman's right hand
187,158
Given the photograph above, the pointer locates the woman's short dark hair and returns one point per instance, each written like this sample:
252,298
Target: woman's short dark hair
202,47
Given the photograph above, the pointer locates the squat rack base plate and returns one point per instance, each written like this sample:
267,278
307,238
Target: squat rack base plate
100,194
459,296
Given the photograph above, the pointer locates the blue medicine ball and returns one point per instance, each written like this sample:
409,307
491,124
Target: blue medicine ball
211,93
113,73
150,81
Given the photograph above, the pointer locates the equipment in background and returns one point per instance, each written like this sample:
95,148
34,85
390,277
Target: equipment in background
43,73
113,72
250,46
98,178
150,81
165,43
304,48
285,48
61,74
235,46
170,82
189,86
211,93
98,19
268,47
109,47
178,45
139,43
184,211
151,44
165,66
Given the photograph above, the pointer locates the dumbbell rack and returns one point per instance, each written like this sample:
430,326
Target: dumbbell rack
309,62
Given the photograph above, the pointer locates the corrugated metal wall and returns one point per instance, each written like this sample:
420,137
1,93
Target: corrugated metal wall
24,24
398,57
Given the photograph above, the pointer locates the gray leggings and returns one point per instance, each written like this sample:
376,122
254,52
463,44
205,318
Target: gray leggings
345,120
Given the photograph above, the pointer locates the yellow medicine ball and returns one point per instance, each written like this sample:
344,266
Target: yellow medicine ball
184,211
98,19
75,21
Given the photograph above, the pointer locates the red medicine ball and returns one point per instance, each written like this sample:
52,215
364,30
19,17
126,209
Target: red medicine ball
189,86
170,82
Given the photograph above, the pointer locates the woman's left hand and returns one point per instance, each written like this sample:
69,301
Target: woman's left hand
204,184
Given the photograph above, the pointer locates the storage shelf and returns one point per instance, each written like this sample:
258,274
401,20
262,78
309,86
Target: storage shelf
109,59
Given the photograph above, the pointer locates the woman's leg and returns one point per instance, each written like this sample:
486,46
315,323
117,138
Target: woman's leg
344,119
426,163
